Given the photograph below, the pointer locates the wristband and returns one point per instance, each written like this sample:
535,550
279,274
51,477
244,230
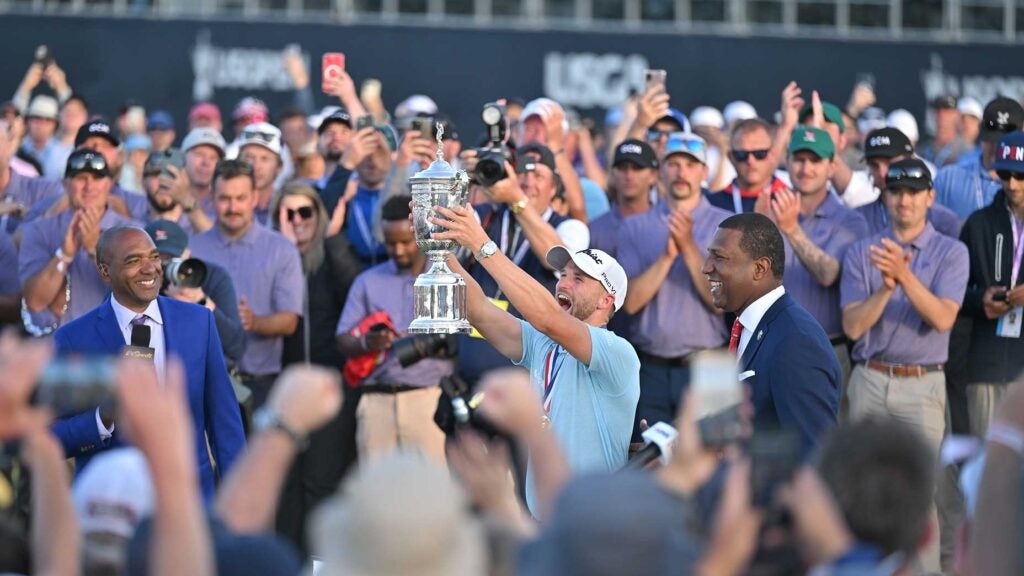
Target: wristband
1006,435
266,419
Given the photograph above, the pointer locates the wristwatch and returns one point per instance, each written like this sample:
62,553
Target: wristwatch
487,250
266,419
518,207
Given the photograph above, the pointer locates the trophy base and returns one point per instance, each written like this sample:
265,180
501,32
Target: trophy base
440,302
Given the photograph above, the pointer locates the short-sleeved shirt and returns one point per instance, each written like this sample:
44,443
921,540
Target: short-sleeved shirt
386,288
592,407
832,228
267,271
40,241
964,189
901,336
137,204
27,191
944,220
656,329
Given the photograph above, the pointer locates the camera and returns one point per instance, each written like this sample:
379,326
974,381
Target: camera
73,385
412,349
185,273
1001,297
456,409
491,158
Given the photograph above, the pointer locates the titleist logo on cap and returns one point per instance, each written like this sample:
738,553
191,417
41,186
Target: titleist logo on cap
1011,153
630,149
590,253
879,141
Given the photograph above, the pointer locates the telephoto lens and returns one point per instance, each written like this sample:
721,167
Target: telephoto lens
186,273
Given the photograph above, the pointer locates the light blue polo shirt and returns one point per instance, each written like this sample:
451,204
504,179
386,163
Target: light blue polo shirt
592,407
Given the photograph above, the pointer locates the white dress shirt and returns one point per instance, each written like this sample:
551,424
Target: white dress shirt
155,322
751,317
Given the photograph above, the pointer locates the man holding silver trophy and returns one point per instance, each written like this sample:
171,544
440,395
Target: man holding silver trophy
587,376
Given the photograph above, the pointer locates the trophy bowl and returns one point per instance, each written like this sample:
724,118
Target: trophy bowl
439,293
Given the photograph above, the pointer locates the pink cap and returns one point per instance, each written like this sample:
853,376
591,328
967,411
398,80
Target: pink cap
206,110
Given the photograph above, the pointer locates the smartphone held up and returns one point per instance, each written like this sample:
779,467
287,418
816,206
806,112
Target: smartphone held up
332,66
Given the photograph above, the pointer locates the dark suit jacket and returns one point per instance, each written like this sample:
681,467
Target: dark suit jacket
190,334
797,376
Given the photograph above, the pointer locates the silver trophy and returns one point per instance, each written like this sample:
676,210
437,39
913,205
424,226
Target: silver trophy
440,294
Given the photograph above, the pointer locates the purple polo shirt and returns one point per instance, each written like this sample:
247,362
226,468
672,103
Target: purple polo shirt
385,288
675,322
27,191
40,241
604,232
832,227
900,336
266,269
944,220
9,284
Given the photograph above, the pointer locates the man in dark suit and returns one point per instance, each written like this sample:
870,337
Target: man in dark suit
129,261
784,355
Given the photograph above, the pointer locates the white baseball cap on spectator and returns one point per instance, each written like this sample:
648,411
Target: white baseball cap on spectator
43,106
416,105
905,122
707,116
204,137
871,119
261,134
737,111
970,107
113,493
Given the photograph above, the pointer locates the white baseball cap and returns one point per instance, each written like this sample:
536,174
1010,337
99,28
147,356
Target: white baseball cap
598,265
43,106
905,122
415,105
707,116
262,134
204,137
114,493
969,107
738,111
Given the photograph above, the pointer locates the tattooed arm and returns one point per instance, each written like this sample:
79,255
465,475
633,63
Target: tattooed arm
823,267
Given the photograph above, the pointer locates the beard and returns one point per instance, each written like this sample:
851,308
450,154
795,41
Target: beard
583,310
160,208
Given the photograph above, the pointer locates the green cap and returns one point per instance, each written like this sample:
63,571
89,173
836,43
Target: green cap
814,139
830,111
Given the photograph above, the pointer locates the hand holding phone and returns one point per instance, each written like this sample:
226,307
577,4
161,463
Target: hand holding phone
655,77
333,65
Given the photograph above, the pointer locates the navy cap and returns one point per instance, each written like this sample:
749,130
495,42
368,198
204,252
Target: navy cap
533,153
910,173
1010,152
340,116
160,120
168,237
96,128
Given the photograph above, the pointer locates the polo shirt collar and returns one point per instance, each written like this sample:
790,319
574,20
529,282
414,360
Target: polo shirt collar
919,243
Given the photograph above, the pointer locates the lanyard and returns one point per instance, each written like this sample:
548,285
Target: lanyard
521,251
1018,247
552,366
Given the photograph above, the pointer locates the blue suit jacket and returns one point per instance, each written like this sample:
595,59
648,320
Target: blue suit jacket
190,334
796,374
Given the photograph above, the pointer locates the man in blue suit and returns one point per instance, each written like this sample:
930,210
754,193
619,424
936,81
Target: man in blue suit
784,355
128,260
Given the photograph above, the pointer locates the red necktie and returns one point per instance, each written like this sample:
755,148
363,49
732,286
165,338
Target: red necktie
734,337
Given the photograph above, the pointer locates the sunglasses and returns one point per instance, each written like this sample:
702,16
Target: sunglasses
900,174
305,213
266,137
1005,175
653,135
681,141
744,155
88,162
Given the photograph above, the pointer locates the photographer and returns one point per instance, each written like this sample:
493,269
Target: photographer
216,291
397,407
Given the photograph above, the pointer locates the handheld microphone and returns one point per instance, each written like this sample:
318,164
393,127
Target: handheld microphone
139,347
658,441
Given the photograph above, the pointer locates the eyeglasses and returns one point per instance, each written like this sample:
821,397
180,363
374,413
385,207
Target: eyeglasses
744,155
900,174
86,162
265,137
305,213
1005,175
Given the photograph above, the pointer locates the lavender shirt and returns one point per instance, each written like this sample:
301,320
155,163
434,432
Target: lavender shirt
27,191
604,232
944,220
40,240
901,336
675,322
9,284
386,288
833,227
266,269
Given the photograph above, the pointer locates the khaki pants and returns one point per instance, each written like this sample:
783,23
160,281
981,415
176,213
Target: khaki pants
401,421
982,400
919,402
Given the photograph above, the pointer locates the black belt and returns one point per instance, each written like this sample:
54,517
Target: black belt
388,388
677,362
246,377
839,340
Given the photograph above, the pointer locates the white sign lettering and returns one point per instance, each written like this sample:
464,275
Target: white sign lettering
587,80
237,68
